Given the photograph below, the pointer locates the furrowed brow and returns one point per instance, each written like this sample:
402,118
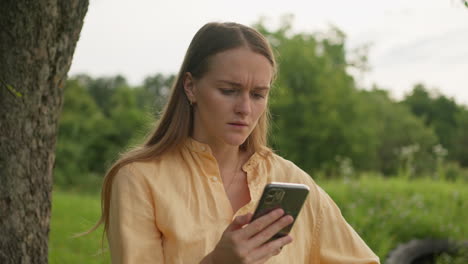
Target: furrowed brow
262,88
238,85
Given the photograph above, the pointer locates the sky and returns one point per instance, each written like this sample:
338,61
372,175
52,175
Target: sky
411,41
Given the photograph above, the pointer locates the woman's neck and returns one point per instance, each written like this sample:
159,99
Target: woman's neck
228,156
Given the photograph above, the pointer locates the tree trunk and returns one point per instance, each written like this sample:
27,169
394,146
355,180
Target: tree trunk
37,41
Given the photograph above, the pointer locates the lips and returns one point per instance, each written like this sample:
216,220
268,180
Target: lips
240,124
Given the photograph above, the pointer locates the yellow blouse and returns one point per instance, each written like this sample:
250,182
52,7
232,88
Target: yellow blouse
174,210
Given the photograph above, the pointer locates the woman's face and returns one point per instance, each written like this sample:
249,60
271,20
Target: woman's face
230,97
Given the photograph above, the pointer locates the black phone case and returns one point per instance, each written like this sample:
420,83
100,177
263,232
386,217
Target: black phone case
288,196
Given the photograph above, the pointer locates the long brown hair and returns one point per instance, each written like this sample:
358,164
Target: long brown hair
176,122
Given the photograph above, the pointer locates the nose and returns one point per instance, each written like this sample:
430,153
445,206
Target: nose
243,104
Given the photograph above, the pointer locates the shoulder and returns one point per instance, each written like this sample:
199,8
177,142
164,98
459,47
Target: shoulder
142,170
130,175
156,171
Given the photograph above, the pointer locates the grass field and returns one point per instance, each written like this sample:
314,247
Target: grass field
384,212
73,213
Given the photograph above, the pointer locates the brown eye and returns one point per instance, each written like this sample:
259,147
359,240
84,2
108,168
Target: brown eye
228,91
258,96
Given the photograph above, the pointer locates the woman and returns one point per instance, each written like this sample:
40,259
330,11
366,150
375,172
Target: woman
187,195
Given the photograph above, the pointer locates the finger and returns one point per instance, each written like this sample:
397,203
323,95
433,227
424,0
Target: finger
263,236
239,222
265,258
261,223
270,249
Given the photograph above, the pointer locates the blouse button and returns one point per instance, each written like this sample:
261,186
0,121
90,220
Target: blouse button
214,178
203,148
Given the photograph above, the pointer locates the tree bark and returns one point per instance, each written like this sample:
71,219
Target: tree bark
37,41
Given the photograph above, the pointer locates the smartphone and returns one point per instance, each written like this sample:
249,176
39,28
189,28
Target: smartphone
288,196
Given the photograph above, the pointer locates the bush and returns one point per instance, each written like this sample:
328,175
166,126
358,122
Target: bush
386,212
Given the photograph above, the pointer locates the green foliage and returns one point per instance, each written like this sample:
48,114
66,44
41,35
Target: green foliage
402,142
448,119
102,89
451,171
321,119
92,135
77,129
458,258
461,137
390,211
155,92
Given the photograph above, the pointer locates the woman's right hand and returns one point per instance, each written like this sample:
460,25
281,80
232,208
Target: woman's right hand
244,242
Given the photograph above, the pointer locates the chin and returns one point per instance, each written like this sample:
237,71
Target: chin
236,140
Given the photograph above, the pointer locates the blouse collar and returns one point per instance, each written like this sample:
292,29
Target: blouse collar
199,147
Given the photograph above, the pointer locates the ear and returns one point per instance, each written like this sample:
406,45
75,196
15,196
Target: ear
189,87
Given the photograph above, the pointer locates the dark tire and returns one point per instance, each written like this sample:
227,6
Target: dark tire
422,251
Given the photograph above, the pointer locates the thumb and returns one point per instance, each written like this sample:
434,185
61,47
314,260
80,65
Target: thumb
239,222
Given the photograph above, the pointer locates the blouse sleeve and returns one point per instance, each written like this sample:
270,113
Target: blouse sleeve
133,234
338,242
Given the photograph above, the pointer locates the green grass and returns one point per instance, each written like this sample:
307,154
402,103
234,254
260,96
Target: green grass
74,213
385,212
